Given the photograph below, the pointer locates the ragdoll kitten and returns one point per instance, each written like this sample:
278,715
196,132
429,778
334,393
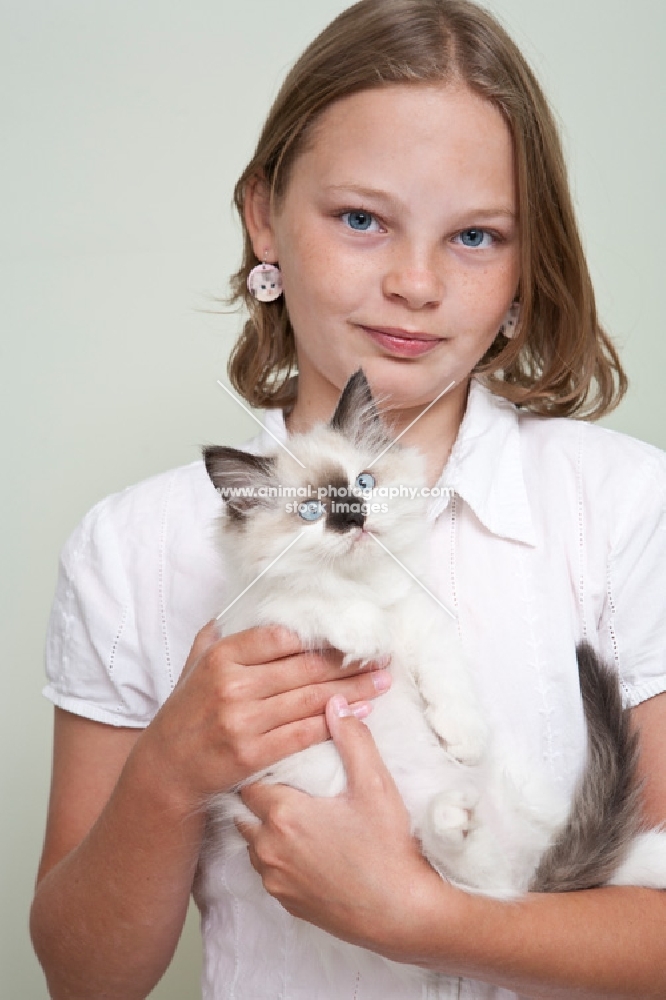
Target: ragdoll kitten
481,824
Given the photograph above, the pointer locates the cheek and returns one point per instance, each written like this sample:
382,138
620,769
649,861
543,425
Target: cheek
324,262
321,283
487,294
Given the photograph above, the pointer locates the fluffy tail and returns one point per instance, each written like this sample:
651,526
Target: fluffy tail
605,813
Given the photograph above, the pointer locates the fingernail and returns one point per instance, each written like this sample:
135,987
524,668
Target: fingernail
382,680
362,711
340,706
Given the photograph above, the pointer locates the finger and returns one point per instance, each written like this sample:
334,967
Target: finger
298,670
204,639
299,665
304,702
207,636
366,771
261,797
313,667
263,644
248,829
279,743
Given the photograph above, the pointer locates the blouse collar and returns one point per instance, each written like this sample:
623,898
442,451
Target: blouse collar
485,466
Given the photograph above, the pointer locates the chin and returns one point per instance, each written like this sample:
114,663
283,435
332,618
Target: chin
398,383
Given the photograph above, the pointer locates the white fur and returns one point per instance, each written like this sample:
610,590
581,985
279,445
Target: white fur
645,863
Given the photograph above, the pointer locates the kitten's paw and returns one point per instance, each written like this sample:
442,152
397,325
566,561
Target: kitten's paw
463,733
363,658
450,819
350,658
362,634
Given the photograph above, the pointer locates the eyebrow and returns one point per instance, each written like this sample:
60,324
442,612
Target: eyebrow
379,195
490,213
363,191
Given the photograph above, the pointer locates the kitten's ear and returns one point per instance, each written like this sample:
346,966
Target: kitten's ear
356,415
238,476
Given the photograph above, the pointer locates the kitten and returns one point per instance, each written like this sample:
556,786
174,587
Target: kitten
482,822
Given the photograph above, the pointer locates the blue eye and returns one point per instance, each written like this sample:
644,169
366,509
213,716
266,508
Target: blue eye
311,511
358,220
475,237
365,481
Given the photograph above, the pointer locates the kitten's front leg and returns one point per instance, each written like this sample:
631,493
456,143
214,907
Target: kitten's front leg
443,679
361,632
359,629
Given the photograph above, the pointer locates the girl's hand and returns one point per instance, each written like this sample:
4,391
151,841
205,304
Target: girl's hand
244,702
348,864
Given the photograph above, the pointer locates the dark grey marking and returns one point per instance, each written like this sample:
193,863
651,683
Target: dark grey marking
343,512
346,514
355,396
356,415
605,812
231,469
332,479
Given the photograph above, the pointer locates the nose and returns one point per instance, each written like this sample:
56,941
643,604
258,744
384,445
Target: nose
346,515
355,519
413,278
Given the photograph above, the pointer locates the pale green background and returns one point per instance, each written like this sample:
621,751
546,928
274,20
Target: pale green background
126,126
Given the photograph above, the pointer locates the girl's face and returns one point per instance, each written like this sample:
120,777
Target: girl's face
399,218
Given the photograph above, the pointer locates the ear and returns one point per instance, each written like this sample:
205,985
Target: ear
257,215
238,476
356,415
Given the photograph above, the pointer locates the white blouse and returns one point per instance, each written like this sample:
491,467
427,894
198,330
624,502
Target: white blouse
547,531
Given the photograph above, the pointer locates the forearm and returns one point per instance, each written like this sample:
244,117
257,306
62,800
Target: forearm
599,944
106,919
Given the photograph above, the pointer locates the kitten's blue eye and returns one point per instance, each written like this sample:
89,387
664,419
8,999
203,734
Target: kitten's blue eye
365,481
475,238
358,220
311,511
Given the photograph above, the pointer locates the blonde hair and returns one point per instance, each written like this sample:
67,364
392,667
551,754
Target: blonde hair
560,362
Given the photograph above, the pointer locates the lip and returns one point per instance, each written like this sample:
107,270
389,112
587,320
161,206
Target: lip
403,343
360,537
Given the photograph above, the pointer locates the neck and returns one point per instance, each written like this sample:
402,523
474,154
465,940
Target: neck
432,430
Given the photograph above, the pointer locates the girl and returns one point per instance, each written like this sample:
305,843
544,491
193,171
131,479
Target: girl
410,186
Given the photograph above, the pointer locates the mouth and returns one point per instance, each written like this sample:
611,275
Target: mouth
403,343
357,536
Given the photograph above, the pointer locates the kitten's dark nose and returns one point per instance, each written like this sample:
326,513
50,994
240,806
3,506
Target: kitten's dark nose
355,517
345,516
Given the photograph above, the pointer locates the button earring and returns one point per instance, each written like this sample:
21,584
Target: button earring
508,327
264,281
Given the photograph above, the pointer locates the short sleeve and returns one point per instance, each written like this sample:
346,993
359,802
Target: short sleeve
137,580
94,663
633,626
